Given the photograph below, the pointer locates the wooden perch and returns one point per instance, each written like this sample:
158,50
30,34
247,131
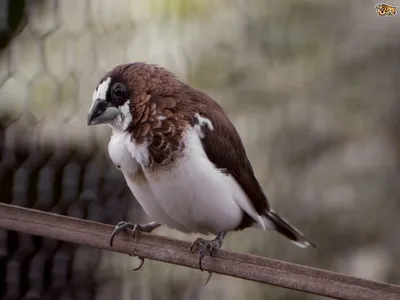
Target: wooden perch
250,267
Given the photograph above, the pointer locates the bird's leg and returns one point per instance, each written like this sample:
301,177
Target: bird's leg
208,246
149,227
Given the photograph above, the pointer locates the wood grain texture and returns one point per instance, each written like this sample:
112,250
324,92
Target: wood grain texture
250,267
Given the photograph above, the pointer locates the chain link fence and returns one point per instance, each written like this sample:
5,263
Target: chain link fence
64,181
311,86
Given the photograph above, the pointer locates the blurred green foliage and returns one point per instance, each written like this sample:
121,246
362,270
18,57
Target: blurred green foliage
179,9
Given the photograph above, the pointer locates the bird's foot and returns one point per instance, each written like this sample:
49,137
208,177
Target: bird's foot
207,246
149,227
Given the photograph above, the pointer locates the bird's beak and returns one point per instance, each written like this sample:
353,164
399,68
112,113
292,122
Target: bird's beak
100,113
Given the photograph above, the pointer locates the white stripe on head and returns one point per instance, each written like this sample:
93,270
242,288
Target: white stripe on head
101,91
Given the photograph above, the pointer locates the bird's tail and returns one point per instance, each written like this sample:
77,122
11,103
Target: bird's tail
288,230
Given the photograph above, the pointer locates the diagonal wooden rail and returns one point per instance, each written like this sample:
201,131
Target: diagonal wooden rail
250,267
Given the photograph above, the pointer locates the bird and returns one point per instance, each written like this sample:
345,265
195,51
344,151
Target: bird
181,157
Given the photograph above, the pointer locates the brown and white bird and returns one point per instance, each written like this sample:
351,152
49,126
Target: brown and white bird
181,157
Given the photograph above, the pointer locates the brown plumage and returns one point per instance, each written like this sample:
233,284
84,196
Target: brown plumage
162,114
157,92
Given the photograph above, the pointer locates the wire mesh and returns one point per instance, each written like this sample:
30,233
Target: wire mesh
64,181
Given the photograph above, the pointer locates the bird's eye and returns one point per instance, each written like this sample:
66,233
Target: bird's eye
118,91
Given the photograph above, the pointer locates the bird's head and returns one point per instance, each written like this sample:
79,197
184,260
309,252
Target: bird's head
125,94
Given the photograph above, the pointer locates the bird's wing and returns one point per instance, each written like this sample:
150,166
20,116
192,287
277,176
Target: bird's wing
224,148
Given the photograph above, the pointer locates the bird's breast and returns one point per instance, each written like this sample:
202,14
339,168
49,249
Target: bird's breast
120,156
137,181
190,194
193,192
123,159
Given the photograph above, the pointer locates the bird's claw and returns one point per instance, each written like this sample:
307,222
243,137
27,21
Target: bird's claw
127,225
141,261
208,246
205,246
208,278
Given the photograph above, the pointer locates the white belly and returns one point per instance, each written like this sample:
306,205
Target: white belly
140,188
195,193
193,196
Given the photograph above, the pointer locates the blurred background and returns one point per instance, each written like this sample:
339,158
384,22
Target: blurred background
312,86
